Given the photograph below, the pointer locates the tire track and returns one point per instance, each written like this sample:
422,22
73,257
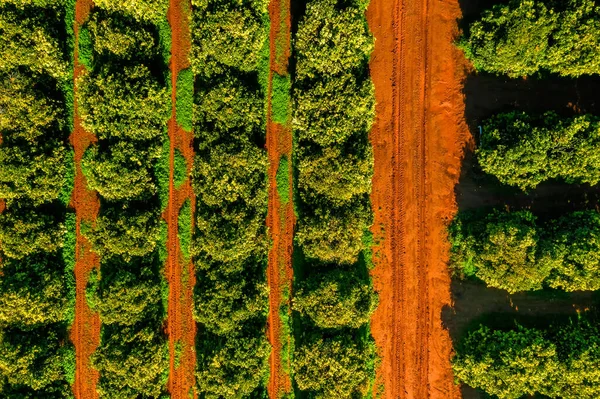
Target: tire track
179,272
280,216
416,141
85,333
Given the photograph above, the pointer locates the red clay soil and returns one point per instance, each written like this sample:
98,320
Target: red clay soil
85,332
418,141
280,217
179,271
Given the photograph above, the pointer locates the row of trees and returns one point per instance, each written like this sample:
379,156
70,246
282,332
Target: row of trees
333,111
124,100
558,362
36,230
229,57
525,37
512,251
524,150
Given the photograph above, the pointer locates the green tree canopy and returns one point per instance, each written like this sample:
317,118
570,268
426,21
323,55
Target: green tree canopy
26,113
223,301
26,231
319,364
336,174
125,231
332,110
127,104
132,362
227,36
232,367
523,37
524,150
335,234
33,291
558,362
116,35
149,10
500,249
509,250
336,299
227,112
33,173
28,41
33,359
331,40
575,248
129,293
121,171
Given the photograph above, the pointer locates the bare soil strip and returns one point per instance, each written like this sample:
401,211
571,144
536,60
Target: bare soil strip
280,217
179,271
418,139
85,333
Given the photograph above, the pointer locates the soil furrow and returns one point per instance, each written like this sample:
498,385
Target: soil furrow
179,271
280,216
85,333
417,138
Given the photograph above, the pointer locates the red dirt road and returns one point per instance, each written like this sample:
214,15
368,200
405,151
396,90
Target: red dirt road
179,271
85,332
418,138
280,217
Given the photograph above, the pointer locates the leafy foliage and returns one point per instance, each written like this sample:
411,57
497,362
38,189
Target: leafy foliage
524,150
557,362
32,291
129,104
575,251
331,41
347,363
139,225
26,231
227,37
232,367
509,250
336,299
35,275
124,99
152,10
333,111
34,361
522,38
230,245
28,40
280,98
132,362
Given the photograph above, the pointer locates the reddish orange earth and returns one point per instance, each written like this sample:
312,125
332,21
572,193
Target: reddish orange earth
179,271
418,137
280,216
85,332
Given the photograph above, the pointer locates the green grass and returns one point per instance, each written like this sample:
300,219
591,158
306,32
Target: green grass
69,181
180,172
91,288
282,180
162,256
68,255
280,98
85,47
185,229
68,363
165,40
178,353
162,171
184,99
